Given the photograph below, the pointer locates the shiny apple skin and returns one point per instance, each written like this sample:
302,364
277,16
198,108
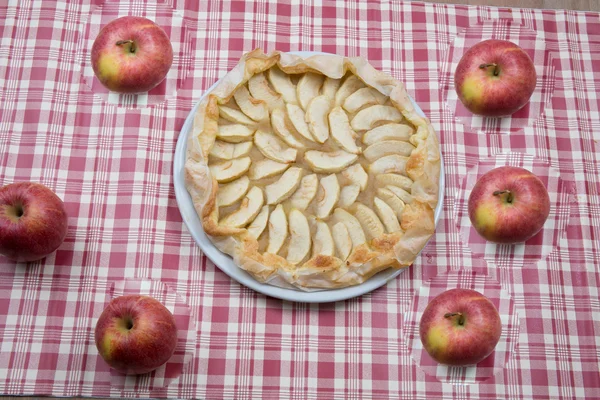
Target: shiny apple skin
450,343
484,93
123,71
33,221
135,334
500,221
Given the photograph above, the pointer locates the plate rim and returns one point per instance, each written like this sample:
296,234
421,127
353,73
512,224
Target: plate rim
192,222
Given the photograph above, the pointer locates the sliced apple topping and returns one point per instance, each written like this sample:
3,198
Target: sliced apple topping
386,148
283,85
278,230
283,188
400,193
305,193
328,195
300,241
348,195
281,128
349,86
230,170
274,148
394,202
248,210
394,164
260,90
355,230
330,87
258,225
232,192
297,118
387,132
394,179
373,116
362,98
368,220
235,116
308,88
387,215
342,240
327,162
322,240
341,132
356,174
227,151
316,117
235,133
266,168
253,108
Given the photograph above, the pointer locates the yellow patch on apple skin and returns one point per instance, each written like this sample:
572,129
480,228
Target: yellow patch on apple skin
485,218
437,340
105,347
107,70
471,90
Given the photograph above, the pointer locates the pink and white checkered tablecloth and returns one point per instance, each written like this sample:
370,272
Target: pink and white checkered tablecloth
111,159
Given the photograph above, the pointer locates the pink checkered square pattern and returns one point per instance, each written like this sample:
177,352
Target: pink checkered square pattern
110,158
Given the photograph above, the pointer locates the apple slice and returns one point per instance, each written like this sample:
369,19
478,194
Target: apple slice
393,164
355,230
400,193
248,210
253,108
316,117
373,116
394,179
348,195
235,133
235,116
274,148
283,85
392,200
300,241
322,240
328,195
349,86
362,98
308,88
278,230
386,148
227,151
330,87
341,132
280,126
342,240
297,118
283,188
260,90
387,132
259,224
230,170
266,168
387,215
328,162
232,192
371,224
305,194
356,174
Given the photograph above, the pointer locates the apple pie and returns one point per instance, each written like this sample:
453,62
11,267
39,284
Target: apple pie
313,172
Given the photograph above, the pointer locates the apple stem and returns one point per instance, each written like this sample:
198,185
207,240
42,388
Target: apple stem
131,48
461,317
495,72
509,195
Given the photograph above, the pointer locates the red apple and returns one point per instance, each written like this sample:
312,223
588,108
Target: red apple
136,334
131,55
460,327
495,78
33,221
508,205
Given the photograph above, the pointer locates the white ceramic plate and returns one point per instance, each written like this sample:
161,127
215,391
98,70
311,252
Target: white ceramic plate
225,262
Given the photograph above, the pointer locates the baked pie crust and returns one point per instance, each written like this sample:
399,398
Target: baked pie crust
313,172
